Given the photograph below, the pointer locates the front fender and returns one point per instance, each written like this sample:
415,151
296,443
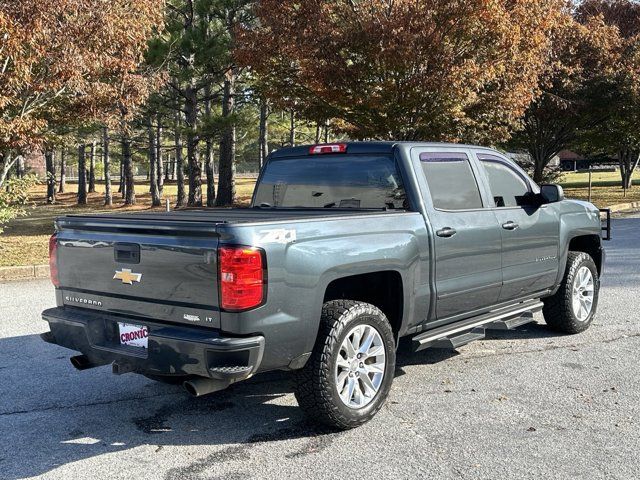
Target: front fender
577,218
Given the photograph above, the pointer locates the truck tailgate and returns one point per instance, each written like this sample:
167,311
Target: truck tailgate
162,270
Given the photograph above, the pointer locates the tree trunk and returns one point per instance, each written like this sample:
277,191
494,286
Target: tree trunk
92,168
263,134
127,167
193,158
106,162
153,166
292,129
211,182
541,159
160,178
121,186
628,161
538,170
318,132
63,170
179,164
169,171
227,165
20,168
209,161
622,161
7,164
326,131
82,175
49,158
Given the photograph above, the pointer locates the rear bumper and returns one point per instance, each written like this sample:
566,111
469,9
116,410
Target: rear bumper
172,350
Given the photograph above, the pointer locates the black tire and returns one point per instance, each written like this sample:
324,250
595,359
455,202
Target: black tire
558,310
316,389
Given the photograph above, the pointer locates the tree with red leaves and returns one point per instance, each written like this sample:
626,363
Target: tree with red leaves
406,70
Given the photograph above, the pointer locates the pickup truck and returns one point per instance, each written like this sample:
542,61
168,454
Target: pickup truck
345,249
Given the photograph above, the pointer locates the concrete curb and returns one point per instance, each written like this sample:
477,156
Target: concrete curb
25,272
621,207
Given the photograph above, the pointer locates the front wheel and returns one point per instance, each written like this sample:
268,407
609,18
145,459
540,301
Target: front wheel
349,374
572,308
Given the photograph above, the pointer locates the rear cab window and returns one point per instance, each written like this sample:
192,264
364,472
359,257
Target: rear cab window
452,183
370,181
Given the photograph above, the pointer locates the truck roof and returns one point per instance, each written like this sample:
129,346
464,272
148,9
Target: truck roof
367,147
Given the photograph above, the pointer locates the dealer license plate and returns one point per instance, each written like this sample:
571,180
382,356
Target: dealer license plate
133,335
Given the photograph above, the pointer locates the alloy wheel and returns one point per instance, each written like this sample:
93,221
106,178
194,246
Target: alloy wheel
360,366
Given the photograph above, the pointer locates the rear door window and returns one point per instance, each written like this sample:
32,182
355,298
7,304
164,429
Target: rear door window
508,187
451,180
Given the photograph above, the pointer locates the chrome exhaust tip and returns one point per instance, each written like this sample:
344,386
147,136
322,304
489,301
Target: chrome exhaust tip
82,362
198,387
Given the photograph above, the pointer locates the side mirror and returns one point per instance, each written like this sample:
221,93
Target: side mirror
551,193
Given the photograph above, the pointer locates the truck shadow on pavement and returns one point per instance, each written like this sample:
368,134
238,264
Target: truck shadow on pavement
430,356
52,415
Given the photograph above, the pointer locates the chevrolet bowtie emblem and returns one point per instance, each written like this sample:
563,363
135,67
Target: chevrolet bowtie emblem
127,276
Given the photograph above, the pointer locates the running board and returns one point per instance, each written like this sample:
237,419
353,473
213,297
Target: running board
456,341
510,323
460,333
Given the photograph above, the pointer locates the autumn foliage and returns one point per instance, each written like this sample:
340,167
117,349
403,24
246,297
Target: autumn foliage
575,89
232,78
432,70
63,60
619,135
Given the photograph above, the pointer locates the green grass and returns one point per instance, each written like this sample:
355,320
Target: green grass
601,179
25,239
605,187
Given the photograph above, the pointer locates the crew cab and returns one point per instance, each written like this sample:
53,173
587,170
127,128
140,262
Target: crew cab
345,249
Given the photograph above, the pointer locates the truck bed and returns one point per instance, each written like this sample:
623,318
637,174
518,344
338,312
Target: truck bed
171,257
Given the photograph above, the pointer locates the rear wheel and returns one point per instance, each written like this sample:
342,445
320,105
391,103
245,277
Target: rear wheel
349,374
572,308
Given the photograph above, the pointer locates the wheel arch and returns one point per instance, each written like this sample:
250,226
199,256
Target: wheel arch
589,244
383,289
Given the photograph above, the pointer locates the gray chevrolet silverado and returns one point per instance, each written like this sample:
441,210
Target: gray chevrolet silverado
345,249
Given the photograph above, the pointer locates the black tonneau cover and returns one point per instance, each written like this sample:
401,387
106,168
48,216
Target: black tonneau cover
202,220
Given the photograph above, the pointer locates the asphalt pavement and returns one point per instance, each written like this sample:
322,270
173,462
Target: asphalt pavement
523,404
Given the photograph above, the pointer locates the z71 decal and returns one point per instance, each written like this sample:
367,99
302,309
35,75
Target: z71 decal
277,236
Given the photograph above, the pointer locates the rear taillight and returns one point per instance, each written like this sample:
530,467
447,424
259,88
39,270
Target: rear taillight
53,260
242,273
328,148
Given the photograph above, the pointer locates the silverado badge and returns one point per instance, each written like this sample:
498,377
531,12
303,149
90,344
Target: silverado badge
127,276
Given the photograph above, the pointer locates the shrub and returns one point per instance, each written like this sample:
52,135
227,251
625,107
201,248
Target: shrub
14,198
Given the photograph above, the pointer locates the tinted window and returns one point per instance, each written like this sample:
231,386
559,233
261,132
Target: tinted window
508,187
451,181
332,181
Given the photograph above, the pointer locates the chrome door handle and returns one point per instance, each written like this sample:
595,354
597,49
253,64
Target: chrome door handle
510,225
446,232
